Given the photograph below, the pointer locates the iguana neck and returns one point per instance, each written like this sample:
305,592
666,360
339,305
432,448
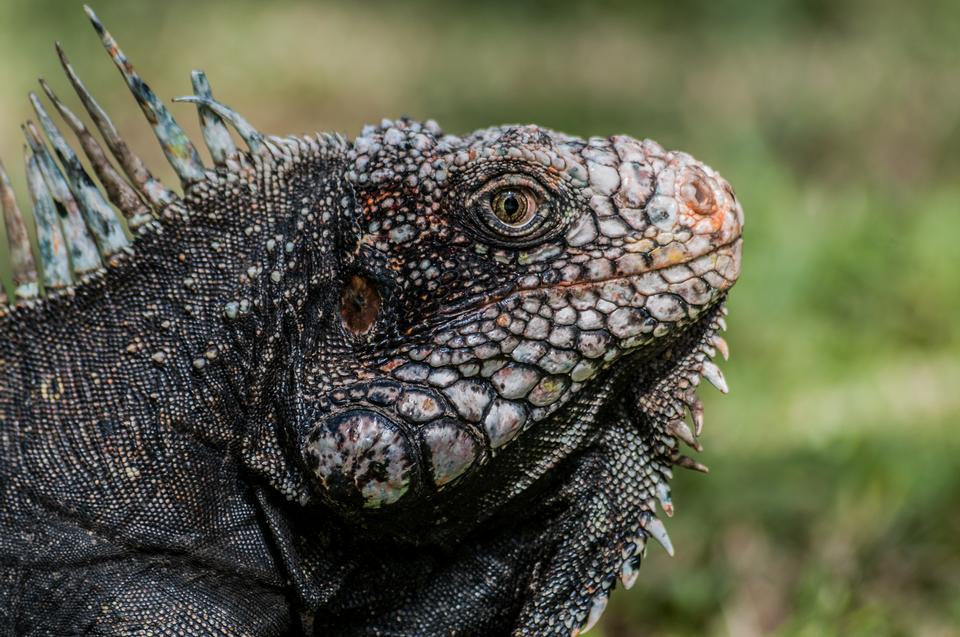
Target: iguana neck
168,337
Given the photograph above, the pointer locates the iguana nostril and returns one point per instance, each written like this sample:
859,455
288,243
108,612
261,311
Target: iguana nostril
698,194
359,305
361,459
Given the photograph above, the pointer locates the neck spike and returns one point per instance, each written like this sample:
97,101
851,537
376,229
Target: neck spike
155,192
176,145
101,220
120,193
83,253
52,247
251,137
21,257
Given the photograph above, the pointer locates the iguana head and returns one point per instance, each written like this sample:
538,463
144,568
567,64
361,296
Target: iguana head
496,279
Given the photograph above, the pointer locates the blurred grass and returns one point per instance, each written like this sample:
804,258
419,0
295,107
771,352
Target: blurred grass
833,506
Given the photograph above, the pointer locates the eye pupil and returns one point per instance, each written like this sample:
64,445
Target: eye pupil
510,206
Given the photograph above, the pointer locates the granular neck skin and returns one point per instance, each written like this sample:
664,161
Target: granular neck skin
122,333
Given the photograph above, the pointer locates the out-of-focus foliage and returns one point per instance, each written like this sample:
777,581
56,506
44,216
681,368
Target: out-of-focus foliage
833,506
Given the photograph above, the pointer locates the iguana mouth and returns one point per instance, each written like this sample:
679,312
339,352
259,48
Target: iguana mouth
731,249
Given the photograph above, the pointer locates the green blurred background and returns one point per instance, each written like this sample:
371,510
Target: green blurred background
833,506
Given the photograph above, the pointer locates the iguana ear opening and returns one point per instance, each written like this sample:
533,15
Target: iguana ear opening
359,305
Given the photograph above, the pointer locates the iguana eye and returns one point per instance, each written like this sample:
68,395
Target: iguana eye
513,206
513,209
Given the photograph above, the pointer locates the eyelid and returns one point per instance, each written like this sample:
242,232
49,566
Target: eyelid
507,181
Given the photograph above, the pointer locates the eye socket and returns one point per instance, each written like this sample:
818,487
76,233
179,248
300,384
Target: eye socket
513,206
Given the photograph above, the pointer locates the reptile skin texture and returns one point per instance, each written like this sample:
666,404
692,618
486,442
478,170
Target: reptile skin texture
412,383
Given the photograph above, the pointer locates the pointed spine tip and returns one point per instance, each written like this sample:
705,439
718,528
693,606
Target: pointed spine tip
629,571
597,606
52,255
93,18
64,60
713,374
33,139
120,193
154,191
180,152
74,122
201,85
679,429
655,528
663,495
100,219
60,146
695,405
84,256
215,133
721,344
689,463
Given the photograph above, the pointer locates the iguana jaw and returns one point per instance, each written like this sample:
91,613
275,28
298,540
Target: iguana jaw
636,344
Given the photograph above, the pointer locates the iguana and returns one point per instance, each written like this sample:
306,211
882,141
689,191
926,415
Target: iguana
409,384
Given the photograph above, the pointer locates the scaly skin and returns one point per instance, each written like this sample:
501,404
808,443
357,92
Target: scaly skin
329,391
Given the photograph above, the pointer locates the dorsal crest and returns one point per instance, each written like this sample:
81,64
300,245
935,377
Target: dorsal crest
86,223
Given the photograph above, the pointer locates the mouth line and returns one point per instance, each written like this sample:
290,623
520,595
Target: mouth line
492,300
621,277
